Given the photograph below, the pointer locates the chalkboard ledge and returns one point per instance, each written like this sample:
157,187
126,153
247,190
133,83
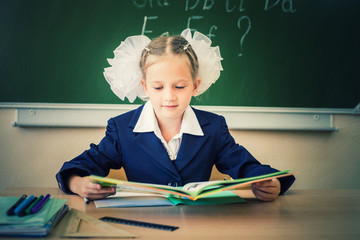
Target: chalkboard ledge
242,118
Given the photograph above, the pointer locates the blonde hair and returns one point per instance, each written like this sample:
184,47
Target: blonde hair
174,45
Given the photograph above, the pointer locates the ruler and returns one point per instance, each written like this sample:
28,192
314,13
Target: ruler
139,223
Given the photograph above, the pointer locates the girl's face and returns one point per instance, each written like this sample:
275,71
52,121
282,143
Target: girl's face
170,86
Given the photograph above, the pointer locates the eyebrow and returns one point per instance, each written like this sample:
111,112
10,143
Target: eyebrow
176,81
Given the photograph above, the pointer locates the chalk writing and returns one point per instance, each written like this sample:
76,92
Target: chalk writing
144,30
286,5
196,14
193,18
233,7
149,3
208,4
146,18
210,34
243,18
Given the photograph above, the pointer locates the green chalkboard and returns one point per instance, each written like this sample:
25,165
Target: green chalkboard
278,53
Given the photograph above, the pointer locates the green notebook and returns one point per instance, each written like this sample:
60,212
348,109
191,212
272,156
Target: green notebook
32,225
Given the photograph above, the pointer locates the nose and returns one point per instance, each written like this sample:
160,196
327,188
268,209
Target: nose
169,94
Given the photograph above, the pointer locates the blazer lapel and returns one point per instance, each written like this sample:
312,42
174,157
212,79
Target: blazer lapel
191,144
152,145
154,148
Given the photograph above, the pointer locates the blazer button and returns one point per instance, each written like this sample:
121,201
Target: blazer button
174,184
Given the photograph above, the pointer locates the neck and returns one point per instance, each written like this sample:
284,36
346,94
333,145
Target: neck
169,128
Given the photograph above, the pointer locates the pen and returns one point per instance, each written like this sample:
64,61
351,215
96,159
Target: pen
10,212
40,204
23,211
86,200
23,205
28,210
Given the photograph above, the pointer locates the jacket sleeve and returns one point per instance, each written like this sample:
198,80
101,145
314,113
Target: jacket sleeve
97,160
237,162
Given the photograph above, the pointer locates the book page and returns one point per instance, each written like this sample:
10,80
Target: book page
135,194
198,186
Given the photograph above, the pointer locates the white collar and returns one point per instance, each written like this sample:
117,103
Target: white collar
147,121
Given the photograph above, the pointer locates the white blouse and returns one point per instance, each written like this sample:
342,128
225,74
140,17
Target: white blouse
147,122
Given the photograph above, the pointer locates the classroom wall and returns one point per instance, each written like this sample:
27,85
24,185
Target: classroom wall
324,160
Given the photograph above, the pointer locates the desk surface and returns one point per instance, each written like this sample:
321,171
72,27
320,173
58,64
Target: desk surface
299,214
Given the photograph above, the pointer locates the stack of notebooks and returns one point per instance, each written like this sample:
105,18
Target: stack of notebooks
32,225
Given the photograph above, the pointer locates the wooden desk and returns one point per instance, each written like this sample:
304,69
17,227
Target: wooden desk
300,214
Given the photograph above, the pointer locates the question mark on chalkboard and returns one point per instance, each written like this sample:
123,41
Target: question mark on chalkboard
245,33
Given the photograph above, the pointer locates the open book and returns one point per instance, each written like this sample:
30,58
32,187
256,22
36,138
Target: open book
137,199
192,191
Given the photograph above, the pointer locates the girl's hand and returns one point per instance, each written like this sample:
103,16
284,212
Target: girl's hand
85,188
267,190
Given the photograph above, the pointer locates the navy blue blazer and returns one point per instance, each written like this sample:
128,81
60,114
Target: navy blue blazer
145,159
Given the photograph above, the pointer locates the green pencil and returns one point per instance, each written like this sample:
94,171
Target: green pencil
28,210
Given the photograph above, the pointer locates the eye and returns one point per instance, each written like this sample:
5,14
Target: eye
180,87
158,88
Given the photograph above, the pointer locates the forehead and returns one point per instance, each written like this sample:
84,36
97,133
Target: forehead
170,58
168,65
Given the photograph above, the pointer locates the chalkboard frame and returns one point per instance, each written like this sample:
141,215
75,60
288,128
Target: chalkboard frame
36,65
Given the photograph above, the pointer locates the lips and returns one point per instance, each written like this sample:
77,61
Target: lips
169,106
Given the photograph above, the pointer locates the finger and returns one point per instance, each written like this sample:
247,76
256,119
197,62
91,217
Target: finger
98,186
109,191
87,183
267,193
267,190
97,196
263,196
272,185
262,191
265,183
94,186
